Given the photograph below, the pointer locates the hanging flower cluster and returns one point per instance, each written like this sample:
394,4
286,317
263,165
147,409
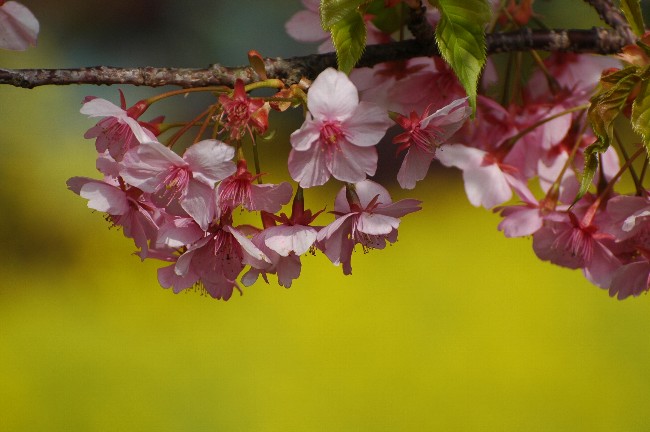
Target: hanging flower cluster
522,156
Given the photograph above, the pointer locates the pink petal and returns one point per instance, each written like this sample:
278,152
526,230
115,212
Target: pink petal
351,163
400,208
332,96
376,224
460,156
367,124
309,167
304,26
210,161
520,221
18,27
142,164
486,186
285,239
200,203
414,167
105,198
630,280
305,137
270,197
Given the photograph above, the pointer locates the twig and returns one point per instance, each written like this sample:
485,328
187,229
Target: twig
612,15
291,70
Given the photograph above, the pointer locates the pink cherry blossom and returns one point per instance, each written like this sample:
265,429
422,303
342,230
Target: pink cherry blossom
338,137
18,26
239,189
173,180
286,267
423,135
370,220
575,243
488,182
214,261
126,207
120,131
244,113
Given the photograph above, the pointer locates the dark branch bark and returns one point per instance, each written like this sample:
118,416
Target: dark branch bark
611,15
291,70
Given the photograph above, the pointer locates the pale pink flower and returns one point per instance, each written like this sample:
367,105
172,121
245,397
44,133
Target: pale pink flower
173,180
239,189
120,131
126,207
423,135
338,136
371,220
488,182
18,26
284,243
286,267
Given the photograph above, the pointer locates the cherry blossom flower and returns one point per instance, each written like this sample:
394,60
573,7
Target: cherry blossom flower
371,219
244,113
571,242
214,261
18,26
120,131
173,180
423,135
239,189
488,182
338,137
126,207
284,243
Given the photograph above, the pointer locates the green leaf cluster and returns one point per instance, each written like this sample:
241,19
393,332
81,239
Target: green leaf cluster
460,35
344,20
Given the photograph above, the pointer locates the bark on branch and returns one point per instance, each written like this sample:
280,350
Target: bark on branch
291,70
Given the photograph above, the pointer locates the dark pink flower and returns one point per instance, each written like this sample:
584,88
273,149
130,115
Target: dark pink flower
244,113
214,261
371,219
338,136
239,189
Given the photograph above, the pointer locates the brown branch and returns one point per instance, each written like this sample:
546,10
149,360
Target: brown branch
612,15
291,70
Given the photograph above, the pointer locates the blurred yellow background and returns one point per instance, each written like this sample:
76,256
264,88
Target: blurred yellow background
452,328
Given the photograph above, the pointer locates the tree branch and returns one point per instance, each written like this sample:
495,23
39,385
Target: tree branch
611,15
291,70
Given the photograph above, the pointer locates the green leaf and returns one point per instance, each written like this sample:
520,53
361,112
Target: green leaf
333,11
388,20
632,11
605,106
461,39
349,38
641,114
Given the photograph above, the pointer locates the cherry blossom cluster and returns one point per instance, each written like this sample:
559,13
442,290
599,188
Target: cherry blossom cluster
521,154
181,207
532,140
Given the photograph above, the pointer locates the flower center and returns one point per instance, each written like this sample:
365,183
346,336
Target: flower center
174,185
330,132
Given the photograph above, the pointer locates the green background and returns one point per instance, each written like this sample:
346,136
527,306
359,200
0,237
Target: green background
453,327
